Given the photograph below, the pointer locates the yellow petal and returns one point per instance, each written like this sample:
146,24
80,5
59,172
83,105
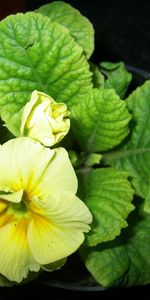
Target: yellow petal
64,210
26,164
57,227
39,127
15,197
15,259
55,265
59,176
22,162
45,120
49,243
6,218
27,109
3,205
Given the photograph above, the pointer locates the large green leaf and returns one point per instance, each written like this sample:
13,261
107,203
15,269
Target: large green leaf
36,53
100,122
108,196
126,260
117,76
134,156
80,27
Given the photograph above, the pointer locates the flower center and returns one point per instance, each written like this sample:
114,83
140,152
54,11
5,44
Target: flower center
20,209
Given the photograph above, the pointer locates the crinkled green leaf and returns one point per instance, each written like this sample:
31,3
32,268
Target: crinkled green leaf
108,196
117,76
126,260
36,53
100,122
80,27
134,156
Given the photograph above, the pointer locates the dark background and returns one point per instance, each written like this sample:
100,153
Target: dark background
122,32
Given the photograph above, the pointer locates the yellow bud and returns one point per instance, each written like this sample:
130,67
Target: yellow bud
44,119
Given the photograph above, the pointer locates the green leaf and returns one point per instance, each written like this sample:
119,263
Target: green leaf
108,196
97,77
36,53
93,159
79,26
124,261
100,122
117,76
134,156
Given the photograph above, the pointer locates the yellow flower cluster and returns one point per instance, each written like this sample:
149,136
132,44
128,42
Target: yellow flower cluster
42,221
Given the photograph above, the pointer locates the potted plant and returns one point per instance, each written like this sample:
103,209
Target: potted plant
66,118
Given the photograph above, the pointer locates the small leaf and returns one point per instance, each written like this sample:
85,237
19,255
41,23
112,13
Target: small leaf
74,158
37,54
97,77
100,122
124,261
93,159
108,196
79,26
117,76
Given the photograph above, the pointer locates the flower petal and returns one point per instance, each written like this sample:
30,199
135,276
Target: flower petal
45,120
22,163
65,210
15,259
15,197
39,127
27,109
49,243
26,164
3,205
55,265
5,218
57,227
59,176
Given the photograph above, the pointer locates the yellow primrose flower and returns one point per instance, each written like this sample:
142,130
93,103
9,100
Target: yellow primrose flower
41,219
44,119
